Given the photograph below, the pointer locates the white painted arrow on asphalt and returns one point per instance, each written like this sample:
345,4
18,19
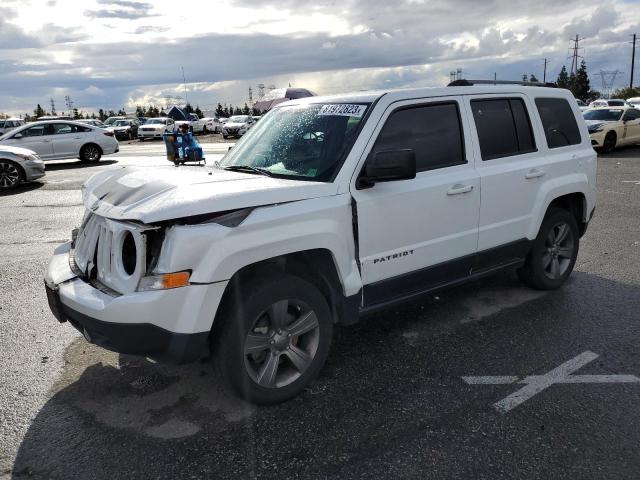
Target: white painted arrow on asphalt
534,384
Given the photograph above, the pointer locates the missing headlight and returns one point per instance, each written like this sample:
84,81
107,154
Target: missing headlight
129,254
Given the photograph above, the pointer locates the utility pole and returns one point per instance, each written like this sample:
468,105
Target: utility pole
633,60
53,107
544,75
184,83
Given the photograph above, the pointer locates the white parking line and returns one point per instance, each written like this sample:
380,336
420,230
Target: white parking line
536,383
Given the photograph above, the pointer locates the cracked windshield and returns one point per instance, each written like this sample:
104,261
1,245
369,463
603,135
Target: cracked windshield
301,141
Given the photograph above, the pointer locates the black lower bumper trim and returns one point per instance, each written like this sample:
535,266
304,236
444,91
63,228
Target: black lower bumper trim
134,338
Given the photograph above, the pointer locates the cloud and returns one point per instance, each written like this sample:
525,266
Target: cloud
149,29
121,9
377,45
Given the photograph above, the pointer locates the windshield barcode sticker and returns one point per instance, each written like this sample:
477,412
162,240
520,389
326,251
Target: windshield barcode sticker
343,110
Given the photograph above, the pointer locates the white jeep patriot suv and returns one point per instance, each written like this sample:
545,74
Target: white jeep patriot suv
330,207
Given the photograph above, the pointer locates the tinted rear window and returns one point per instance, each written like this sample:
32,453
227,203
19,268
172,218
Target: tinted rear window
558,121
503,127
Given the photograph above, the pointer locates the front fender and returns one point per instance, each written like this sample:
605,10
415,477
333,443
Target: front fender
215,253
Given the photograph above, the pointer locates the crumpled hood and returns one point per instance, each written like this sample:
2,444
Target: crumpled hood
152,195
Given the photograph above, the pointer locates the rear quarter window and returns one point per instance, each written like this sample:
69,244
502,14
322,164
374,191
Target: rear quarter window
559,122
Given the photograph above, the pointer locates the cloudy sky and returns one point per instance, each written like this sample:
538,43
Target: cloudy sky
117,53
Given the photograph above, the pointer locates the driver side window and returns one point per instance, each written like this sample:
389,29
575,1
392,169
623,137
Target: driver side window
433,132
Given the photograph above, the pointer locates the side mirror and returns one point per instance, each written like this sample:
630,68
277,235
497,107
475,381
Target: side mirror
18,135
387,167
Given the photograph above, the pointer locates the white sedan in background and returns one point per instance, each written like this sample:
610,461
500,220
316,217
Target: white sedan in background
156,127
61,139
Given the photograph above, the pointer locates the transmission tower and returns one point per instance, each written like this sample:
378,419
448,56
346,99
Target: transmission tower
575,54
53,107
455,75
250,97
260,91
69,103
608,80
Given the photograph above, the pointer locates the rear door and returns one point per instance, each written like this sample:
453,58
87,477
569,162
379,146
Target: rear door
68,139
516,156
419,233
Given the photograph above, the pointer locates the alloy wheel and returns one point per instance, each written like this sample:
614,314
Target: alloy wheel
92,154
9,175
281,344
559,251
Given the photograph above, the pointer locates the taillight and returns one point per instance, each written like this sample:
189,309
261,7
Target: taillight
108,134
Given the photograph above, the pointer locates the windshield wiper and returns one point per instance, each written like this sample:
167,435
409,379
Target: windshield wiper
248,168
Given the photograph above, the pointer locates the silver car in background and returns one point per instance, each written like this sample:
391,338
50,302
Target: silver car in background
18,165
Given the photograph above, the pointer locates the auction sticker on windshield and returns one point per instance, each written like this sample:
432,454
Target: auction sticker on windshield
343,110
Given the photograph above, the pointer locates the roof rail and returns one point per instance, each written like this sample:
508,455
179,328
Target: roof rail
469,83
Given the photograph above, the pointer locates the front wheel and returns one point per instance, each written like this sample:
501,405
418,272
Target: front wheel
204,130
10,175
609,143
90,153
274,339
554,252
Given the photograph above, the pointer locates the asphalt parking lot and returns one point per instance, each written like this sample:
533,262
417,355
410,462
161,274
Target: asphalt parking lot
491,380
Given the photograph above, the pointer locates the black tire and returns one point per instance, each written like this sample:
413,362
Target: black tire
225,136
551,259
248,314
130,135
90,153
11,175
204,130
609,143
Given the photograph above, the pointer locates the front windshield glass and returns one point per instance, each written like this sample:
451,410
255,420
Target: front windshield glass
239,119
306,142
121,123
155,121
603,114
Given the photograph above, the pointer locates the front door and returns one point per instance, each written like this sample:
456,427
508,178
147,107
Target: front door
419,233
36,138
631,120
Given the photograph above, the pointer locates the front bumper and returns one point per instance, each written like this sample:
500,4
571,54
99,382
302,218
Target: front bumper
169,325
33,170
597,138
148,134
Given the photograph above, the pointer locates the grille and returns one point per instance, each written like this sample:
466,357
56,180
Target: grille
110,252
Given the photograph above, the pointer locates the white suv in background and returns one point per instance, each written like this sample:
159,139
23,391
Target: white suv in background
156,127
237,126
8,124
61,139
329,208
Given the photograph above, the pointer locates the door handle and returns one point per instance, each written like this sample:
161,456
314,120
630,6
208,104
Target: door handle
46,141
534,173
77,138
458,188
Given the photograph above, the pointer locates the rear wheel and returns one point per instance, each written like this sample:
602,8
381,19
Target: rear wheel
554,252
204,130
609,142
10,175
90,153
275,338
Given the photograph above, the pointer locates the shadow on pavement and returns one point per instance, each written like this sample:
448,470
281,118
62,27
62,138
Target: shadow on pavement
77,164
25,187
389,403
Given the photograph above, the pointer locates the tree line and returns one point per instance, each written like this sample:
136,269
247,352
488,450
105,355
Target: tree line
150,111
